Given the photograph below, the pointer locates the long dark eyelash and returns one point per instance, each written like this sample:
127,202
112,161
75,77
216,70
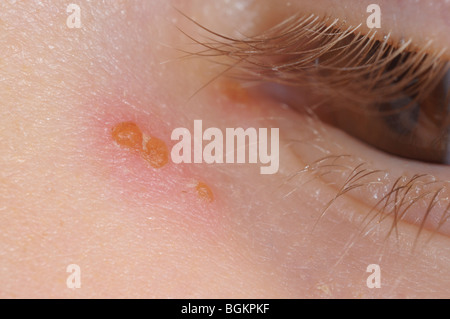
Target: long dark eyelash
302,47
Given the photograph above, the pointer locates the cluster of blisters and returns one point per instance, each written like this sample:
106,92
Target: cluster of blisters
151,149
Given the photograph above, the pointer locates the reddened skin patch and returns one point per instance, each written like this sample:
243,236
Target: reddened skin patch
152,149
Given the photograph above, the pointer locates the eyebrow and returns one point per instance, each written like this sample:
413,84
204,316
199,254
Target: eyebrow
427,23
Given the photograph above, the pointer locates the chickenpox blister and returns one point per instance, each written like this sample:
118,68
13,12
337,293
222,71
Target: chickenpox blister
153,150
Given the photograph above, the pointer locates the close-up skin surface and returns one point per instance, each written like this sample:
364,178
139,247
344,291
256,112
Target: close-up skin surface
88,177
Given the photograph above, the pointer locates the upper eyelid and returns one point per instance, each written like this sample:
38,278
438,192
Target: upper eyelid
423,22
305,39
435,42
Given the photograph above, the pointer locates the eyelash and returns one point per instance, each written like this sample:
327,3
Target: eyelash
376,64
379,63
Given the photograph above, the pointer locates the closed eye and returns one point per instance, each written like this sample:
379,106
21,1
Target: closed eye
391,94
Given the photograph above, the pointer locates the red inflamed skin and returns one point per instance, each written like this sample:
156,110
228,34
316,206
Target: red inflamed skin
87,176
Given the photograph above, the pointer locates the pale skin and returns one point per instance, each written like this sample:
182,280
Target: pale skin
69,195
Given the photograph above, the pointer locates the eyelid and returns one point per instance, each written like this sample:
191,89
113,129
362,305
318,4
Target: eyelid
303,46
317,54
222,46
423,21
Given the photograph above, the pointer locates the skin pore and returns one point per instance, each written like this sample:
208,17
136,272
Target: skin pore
69,194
